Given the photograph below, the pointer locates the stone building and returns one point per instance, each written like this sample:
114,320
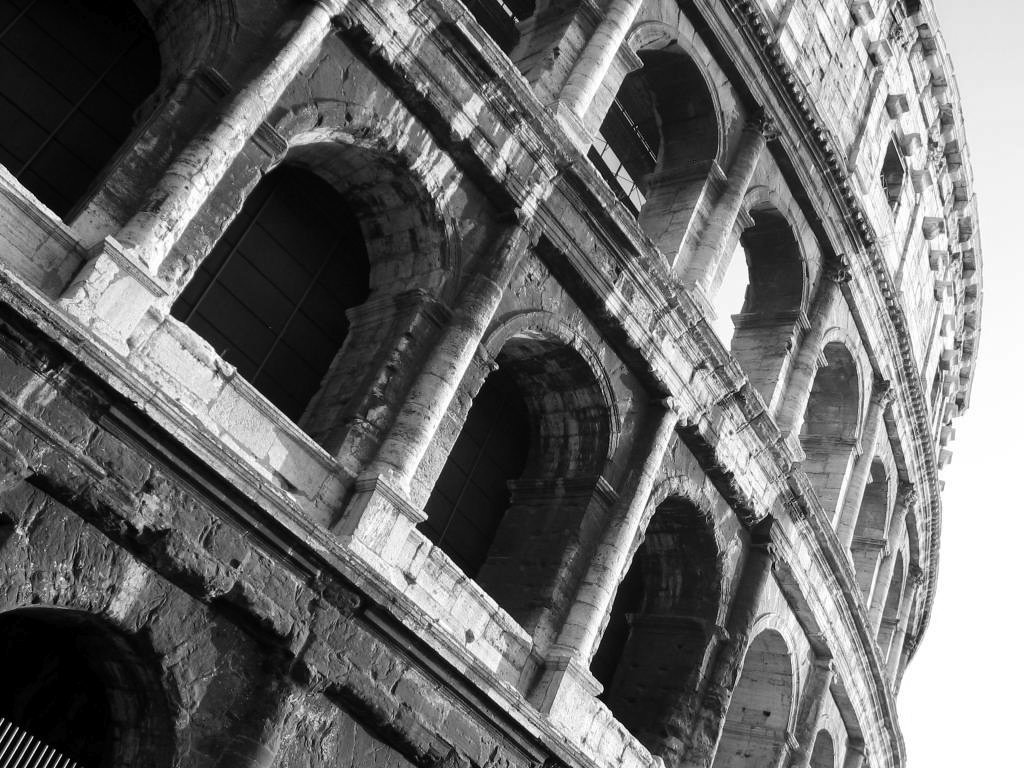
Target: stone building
361,404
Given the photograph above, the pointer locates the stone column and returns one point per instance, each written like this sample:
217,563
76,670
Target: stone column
854,754
580,633
177,197
724,672
881,396
258,737
595,60
432,391
127,274
703,265
790,415
892,662
812,702
905,499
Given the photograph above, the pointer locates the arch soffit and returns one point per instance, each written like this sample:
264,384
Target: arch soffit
190,35
332,125
686,490
839,335
661,29
773,624
546,324
762,198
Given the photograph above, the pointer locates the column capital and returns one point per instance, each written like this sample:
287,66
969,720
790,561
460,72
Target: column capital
915,575
763,123
906,492
882,391
837,269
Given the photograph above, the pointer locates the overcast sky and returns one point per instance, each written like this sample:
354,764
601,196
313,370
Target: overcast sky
960,703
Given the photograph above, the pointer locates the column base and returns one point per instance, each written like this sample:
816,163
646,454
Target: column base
111,293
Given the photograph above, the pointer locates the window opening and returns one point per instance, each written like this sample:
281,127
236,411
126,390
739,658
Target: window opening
893,175
271,297
72,75
629,599
471,494
624,152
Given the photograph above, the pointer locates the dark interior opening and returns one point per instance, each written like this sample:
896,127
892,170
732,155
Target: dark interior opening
500,17
52,691
72,75
629,600
773,265
893,175
471,494
271,296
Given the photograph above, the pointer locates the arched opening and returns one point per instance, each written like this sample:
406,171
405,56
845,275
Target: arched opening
893,174
652,654
824,753
501,18
756,724
472,493
869,531
829,430
768,263
657,143
891,610
81,690
72,75
521,501
271,296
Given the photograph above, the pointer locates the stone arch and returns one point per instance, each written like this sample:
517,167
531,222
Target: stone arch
409,241
661,136
659,632
824,753
774,299
891,607
84,689
72,106
544,504
831,423
761,710
869,532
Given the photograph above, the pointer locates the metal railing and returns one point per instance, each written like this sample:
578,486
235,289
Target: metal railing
20,749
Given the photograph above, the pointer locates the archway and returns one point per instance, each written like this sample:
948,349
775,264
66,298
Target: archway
891,610
657,143
521,505
652,653
75,72
769,264
272,295
83,690
830,423
756,725
869,531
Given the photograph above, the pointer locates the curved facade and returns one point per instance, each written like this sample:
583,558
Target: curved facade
370,397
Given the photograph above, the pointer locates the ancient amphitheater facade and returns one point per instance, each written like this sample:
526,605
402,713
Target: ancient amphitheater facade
361,404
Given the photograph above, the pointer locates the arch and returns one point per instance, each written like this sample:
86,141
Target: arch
76,73
271,297
824,753
891,608
830,424
761,708
654,649
767,322
660,137
83,689
541,484
869,530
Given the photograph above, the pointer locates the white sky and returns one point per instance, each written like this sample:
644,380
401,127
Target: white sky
960,702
